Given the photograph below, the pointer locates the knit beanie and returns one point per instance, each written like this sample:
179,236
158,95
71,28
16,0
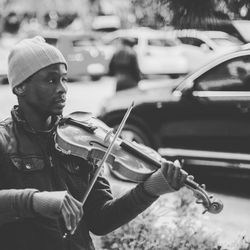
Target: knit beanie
29,56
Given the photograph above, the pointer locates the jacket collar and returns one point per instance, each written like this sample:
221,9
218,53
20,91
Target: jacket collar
18,117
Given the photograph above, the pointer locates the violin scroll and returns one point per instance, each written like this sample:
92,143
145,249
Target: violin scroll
215,207
210,205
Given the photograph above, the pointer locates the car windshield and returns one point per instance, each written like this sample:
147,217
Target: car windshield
185,84
222,66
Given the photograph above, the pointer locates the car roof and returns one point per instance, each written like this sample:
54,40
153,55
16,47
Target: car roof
71,35
200,33
138,32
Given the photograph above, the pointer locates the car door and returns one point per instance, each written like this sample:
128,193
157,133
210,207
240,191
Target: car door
222,98
163,56
214,114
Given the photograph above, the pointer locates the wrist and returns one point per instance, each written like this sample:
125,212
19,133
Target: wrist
148,192
157,184
21,201
47,203
32,208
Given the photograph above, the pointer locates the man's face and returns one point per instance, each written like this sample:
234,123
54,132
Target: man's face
45,91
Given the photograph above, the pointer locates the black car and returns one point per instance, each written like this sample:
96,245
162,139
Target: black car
204,118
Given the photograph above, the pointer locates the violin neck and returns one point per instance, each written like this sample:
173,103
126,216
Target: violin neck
129,147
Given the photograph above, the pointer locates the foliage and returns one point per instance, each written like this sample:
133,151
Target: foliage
194,14
165,225
197,14
151,13
172,223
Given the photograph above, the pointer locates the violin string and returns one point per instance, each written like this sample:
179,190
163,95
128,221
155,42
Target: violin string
107,153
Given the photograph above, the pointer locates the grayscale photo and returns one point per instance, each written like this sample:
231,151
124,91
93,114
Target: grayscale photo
124,125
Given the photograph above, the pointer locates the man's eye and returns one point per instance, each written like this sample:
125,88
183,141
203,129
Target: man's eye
65,79
52,81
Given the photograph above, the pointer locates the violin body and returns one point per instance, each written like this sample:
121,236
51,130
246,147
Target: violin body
82,135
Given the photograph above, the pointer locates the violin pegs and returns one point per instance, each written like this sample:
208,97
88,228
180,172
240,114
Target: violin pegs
203,186
211,197
199,202
204,211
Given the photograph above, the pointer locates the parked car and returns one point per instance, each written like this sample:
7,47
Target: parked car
81,52
216,41
212,44
205,116
157,53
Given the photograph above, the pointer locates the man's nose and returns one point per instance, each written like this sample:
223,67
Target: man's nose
62,86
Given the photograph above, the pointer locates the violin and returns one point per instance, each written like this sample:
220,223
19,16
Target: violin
83,135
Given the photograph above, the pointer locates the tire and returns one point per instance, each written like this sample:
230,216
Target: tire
95,78
174,76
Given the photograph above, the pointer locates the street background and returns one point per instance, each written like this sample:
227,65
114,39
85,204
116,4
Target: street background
232,223
68,24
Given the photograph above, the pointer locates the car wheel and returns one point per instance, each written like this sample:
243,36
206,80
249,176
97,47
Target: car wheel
95,78
4,81
174,76
132,132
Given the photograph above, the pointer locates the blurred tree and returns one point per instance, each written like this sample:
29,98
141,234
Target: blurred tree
151,13
206,14
239,8
197,14
191,14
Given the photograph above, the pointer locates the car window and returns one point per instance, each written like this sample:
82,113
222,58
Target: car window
117,40
88,41
192,41
161,42
232,75
113,42
51,40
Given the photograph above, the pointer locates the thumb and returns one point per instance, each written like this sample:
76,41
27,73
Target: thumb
177,163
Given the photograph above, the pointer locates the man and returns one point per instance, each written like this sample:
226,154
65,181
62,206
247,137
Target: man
124,65
40,188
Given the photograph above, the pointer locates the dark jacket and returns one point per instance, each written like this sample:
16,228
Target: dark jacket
29,161
124,66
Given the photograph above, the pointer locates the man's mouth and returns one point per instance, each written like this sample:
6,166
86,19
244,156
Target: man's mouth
60,101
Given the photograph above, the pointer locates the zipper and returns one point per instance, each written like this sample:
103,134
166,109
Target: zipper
51,161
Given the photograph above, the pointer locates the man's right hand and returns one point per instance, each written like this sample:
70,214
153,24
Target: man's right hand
59,203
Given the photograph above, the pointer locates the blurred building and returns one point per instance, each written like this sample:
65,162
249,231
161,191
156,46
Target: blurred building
84,10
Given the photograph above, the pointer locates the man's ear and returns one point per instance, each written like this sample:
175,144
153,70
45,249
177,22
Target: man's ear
20,90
